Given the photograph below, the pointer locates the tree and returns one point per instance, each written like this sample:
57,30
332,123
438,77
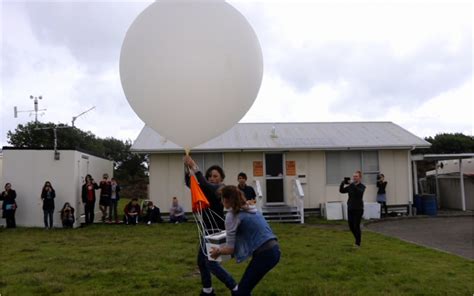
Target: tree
41,135
129,168
451,143
444,144
448,143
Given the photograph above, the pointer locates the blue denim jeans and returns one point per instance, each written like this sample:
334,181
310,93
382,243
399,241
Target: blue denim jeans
207,267
260,265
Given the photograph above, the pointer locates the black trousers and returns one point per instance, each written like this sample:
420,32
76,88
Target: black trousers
354,218
383,205
89,211
10,217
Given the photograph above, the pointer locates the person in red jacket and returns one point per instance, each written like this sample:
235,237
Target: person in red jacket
88,198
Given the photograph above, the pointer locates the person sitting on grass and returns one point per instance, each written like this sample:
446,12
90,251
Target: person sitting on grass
132,212
67,216
177,212
153,214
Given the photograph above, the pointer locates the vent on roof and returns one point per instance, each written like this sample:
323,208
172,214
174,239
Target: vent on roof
274,135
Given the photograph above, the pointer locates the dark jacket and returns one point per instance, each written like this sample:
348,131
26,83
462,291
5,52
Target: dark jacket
9,203
216,207
48,203
117,192
356,194
381,187
248,191
153,215
84,192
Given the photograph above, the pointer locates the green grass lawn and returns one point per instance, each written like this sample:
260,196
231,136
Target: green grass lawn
160,260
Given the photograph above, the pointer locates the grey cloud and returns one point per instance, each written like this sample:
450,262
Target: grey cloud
93,31
373,71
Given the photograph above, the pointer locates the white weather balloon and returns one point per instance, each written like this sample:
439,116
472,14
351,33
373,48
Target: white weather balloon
191,69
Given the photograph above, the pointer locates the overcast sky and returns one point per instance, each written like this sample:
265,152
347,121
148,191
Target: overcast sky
408,62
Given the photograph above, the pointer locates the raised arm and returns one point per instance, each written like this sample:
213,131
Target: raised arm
343,189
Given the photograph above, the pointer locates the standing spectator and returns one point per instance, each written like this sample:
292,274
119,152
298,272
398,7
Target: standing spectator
114,199
177,212
381,194
248,191
153,214
132,212
355,204
67,216
88,198
105,192
47,196
248,235
9,205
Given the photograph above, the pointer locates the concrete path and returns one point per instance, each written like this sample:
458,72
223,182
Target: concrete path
451,234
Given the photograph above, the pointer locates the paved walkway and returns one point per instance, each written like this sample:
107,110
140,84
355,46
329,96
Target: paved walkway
451,234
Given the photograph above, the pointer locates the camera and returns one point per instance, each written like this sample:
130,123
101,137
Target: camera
347,180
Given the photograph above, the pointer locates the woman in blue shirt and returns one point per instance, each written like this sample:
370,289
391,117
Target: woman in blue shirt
248,235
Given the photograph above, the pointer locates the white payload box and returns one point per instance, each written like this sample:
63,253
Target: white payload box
216,240
371,210
332,210
344,211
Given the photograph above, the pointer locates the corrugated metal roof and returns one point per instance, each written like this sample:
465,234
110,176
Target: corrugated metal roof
293,136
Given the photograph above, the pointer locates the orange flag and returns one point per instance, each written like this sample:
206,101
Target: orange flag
198,199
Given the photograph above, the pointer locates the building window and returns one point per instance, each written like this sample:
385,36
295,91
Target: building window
206,160
340,164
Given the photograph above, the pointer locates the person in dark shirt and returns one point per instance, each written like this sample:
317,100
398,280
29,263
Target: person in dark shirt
153,214
381,194
210,186
47,196
248,191
355,203
67,216
9,205
105,192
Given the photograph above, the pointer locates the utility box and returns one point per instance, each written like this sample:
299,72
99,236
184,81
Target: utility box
28,169
371,210
332,210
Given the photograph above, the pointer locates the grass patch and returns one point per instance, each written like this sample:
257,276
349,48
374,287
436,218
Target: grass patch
160,260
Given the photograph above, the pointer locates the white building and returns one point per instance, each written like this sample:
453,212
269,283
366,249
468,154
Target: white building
275,155
28,169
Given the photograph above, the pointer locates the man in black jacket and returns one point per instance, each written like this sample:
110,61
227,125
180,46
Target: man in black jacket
355,203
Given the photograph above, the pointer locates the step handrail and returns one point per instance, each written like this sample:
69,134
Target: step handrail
299,197
258,191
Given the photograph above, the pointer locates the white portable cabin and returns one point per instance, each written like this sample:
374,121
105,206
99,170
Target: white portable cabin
28,169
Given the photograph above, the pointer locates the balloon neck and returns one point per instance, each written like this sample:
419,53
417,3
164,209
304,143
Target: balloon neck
187,151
